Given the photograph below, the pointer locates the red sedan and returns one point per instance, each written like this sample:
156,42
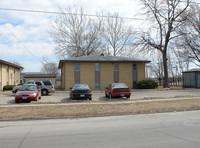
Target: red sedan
28,93
117,90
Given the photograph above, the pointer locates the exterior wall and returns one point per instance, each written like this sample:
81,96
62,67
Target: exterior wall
11,75
140,71
0,77
53,80
68,75
125,74
106,74
87,74
4,75
17,76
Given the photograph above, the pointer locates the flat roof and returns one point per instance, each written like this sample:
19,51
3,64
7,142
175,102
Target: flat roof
38,75
99,58
11,64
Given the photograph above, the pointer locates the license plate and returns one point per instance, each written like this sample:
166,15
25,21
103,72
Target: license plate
122,95
24,97
82,95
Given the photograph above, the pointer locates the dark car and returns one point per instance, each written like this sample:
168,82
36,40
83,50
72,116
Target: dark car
117,90
80,91
28,93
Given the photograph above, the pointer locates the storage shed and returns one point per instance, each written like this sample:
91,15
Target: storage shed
191,78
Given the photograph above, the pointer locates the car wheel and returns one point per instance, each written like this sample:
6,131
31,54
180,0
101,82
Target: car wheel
44,92
40,97
128,97
90,98
106,95
110,95
16,101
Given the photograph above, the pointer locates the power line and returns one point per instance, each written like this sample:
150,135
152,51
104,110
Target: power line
23,44
56,12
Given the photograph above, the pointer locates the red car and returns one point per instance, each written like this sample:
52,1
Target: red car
28,93
117,90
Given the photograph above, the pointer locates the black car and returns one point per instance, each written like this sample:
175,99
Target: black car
80,91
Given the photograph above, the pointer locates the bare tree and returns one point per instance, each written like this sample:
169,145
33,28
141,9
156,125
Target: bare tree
189,42
165,19
76,34
117,34
50,68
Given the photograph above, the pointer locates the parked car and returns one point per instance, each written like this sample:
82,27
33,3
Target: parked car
28,93
16,88
117,90
45,85
80,91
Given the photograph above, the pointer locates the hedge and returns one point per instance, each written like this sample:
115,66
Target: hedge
147,84
8,87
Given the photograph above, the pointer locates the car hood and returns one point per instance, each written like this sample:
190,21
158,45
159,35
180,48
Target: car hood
25,92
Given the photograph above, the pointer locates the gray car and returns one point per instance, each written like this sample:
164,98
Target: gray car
45,85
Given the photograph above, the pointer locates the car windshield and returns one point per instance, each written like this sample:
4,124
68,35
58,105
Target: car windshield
28,88
80,86
121,85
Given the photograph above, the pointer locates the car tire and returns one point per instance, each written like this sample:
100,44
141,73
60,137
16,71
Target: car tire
90,98
106,95
45,92
16,101
128,97
110,96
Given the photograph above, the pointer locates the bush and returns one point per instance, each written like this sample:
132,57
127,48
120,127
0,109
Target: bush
8,87
146,84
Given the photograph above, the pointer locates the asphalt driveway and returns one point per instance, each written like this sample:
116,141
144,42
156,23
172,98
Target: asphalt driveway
8,98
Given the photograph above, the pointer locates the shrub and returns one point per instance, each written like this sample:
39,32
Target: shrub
146,84
8,87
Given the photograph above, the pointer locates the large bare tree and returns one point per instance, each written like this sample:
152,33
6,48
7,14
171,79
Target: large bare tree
76,34
118,35
164,17
189,42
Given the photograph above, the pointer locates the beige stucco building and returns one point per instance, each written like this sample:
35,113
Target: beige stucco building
9,74
99,71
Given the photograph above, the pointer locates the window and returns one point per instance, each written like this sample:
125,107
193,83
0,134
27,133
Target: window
97,76
38,83
14,76
77,67
116,67
7,69
97,67
116,72
134,66
47,82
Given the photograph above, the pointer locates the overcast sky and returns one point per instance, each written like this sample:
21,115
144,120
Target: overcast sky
24,36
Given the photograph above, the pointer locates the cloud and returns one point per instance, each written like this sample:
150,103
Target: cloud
24,36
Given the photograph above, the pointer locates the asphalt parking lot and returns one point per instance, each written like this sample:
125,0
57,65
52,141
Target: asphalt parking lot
63,97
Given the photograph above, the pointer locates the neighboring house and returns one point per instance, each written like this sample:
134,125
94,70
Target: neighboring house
191,78
9,73
39,76
99,71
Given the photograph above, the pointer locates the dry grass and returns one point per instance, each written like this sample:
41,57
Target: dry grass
70,110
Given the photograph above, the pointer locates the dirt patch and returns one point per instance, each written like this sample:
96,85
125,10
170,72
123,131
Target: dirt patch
90,109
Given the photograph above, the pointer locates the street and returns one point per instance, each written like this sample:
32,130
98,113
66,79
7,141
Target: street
174,130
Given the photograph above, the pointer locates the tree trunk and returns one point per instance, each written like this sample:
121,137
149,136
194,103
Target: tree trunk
166,80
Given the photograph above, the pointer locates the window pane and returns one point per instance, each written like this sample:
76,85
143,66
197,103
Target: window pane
116,67
97,67
77,67
134,66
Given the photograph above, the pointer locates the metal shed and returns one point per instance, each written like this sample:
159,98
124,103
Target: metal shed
191,78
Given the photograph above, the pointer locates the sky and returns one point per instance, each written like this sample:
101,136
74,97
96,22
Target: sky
24,36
